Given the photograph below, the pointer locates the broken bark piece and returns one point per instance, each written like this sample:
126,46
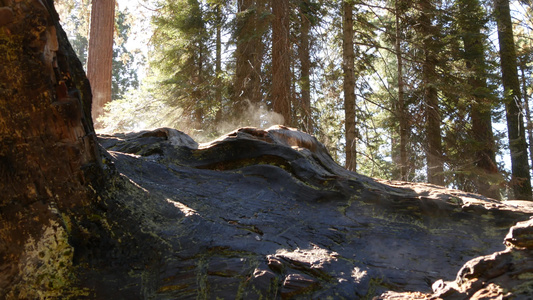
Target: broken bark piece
297,284
275,264
521,235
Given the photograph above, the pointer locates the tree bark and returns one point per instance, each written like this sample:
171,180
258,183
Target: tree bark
49,159
281,67
521,179
349,86
100,56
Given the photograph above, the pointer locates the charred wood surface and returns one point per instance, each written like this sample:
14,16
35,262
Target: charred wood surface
269,213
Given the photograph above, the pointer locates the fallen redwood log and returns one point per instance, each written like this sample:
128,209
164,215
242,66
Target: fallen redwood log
268,213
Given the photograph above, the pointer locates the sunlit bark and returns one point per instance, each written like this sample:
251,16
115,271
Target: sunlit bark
100,57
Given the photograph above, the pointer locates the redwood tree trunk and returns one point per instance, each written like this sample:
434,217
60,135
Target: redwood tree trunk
281,67
521,179
48,151
100,56
305,66
349,86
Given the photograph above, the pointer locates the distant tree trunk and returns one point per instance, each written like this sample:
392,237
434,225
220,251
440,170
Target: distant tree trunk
521,179
471,22
401,113
100,57
249,54
305,61
527,109
435,165
349,86
49,155
485,154
199,78
218,60
281,67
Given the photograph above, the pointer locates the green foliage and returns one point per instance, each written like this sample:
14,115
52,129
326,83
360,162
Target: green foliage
138,110
182,60
192,84
124,68
76,16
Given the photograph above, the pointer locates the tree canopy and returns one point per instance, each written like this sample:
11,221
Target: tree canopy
429,101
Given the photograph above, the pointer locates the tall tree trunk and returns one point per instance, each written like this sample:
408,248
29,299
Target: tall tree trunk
401,113
218,60
527,109
249,54
305,65
199,79
349,86
470,20
281,67
48,151
435,165
521,179
100,57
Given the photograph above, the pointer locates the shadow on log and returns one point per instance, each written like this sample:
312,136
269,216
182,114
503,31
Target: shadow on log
254,214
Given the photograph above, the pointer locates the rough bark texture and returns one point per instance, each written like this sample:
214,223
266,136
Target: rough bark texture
49,159
100,56
267,213
521,178
281,68
349,86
